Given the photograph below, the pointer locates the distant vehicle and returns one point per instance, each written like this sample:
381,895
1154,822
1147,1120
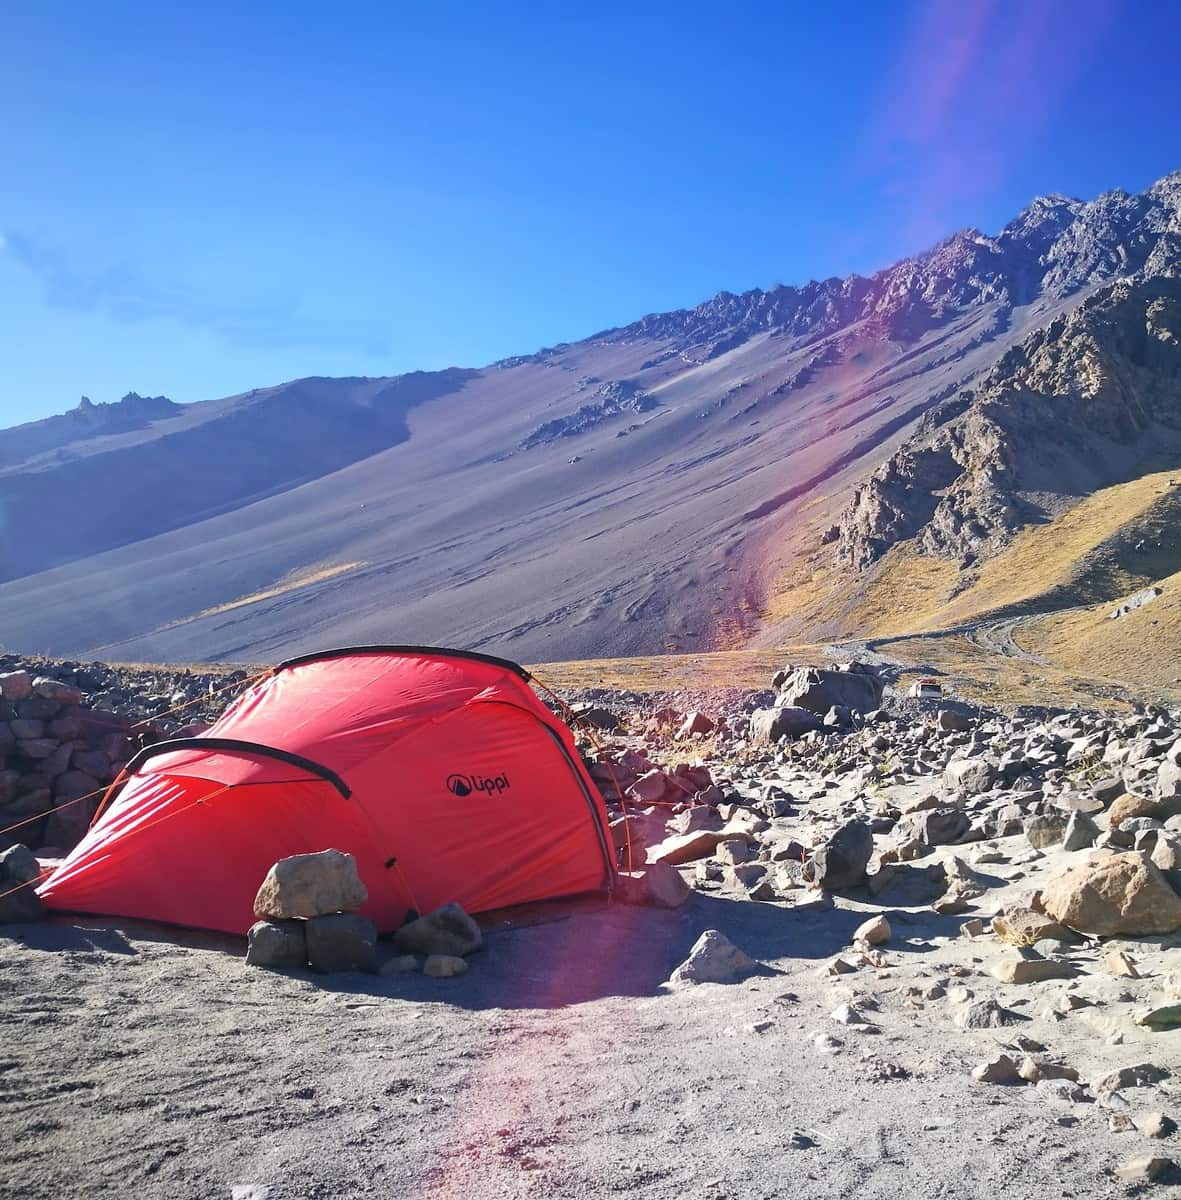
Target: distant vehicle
926,689
576,459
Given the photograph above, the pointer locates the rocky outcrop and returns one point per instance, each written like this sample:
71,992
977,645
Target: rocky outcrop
1079,405
88,420
613,398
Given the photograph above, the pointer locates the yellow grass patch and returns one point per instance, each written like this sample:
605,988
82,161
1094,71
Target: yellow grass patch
1144,646
661,672
1047,556
290,583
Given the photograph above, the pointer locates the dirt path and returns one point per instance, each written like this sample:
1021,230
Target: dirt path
998,637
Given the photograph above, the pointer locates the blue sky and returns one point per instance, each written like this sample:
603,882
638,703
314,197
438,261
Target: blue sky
200,199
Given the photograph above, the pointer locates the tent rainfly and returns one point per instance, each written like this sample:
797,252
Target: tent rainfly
440,771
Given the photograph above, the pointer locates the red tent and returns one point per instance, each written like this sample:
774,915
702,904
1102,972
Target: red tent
440,771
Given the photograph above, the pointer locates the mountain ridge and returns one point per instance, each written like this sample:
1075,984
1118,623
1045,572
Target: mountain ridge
638,490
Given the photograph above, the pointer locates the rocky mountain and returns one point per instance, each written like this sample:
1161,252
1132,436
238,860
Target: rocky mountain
642,490
1081,404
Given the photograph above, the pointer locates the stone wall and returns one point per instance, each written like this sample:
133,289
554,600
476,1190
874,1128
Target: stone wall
67,729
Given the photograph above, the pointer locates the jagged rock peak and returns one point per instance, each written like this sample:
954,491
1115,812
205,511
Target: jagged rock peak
131,403
1056,246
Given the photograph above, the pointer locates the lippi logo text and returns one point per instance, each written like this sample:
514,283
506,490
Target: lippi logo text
465,785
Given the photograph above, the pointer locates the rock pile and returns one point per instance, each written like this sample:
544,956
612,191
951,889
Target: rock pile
307,908
755,818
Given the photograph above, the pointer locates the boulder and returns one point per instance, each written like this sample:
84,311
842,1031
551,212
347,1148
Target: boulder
1154,1124
1107,790
876,931
444,966
696,722
947,720
19,870
1025,927
689,847
1034,1070
1031,970
657,885
1116,894
1046,829
1168,783
841,861
38,708
18,864
69,821
447,930
733,851
856,687
311,885
694,818
16,685
1080,832
1162,1016
970,775
93,762
1001,1069
713,959
649,787
1144,1170
935,826
988,1014
342,942
1126,807
277,944
59,693
1166,851
769,725
597,717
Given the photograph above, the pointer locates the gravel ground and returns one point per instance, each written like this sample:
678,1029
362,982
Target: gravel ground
151,1062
